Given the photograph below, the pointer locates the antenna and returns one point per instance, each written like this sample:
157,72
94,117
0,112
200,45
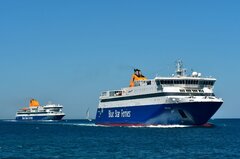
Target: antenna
179,68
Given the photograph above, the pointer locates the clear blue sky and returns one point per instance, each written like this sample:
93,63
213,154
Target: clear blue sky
68,52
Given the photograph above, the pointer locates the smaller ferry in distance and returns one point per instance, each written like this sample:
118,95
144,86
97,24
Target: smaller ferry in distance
37,112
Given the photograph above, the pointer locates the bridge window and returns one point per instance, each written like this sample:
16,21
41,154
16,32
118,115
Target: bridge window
187,82
212,83
208,83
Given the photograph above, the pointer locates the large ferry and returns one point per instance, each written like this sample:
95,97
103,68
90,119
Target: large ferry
179,99
37,112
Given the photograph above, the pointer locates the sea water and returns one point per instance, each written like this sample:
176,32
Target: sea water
83,139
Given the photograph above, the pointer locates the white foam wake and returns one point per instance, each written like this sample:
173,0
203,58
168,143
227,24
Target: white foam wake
168,126
148,126
10,120
91,125
94,125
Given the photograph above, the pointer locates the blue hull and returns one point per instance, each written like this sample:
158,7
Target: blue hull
194,113
44,117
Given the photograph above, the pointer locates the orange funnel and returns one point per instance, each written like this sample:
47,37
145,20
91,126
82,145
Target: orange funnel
33,103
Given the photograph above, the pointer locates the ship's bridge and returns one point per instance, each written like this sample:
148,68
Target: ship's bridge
185,82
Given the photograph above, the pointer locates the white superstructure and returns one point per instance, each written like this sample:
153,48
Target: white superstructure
175,89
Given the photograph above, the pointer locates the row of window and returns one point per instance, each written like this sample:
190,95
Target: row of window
192,91
190,82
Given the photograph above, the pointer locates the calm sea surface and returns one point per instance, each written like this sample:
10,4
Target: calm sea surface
82,139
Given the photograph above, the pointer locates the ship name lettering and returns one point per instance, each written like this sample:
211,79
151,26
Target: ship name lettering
125,114
110,114
117,114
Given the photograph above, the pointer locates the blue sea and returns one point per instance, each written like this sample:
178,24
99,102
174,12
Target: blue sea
82,139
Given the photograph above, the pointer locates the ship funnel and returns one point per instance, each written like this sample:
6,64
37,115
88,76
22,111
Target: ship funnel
33,103
137,76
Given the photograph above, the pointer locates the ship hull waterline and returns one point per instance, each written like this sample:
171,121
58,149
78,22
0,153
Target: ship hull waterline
191,113
40,117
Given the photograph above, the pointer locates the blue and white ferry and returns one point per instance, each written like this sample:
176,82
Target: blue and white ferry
175,100
37,112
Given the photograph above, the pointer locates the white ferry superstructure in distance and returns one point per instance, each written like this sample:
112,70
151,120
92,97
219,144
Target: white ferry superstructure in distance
37,112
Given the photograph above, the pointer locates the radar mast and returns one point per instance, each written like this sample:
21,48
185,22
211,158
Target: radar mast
180,71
